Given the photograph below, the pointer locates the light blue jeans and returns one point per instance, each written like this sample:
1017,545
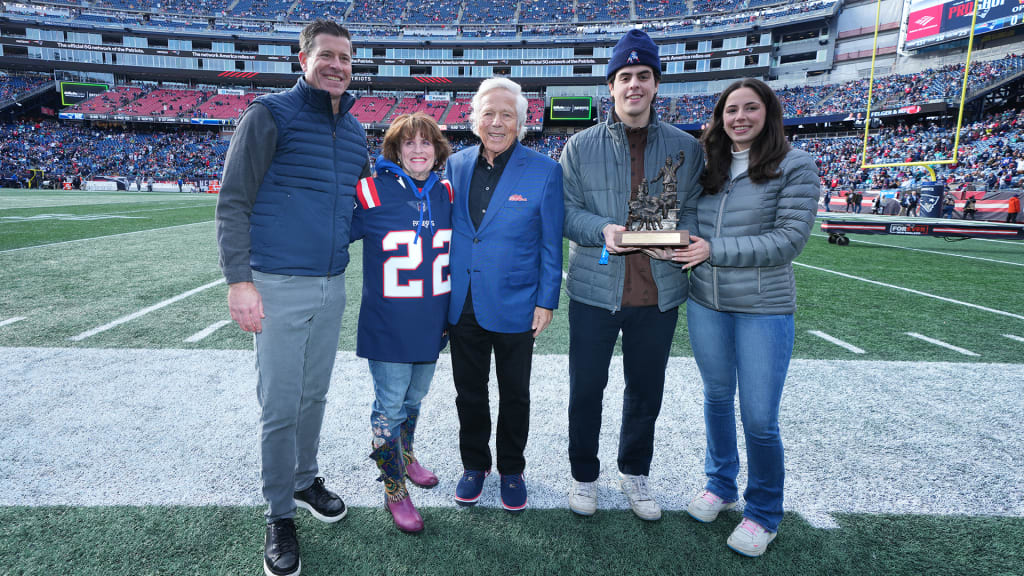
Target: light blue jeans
398,390
294,357
750,352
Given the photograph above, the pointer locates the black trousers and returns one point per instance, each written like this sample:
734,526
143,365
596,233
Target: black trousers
646,341
471,347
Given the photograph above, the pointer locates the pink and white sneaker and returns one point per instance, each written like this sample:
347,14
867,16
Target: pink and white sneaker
750,538
707,505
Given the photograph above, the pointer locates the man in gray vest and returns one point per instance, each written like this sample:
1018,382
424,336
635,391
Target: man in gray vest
283,220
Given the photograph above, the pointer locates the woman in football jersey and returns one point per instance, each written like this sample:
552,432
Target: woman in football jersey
403,216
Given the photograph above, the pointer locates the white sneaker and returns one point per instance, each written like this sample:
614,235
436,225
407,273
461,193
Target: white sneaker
640,499
750,538
707,505
583,497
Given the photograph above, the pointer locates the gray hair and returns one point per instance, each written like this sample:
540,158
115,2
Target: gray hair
492,84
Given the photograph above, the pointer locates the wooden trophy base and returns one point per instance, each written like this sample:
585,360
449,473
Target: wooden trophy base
652,238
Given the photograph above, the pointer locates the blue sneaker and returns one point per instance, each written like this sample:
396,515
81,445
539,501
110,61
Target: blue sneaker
513,492
470,487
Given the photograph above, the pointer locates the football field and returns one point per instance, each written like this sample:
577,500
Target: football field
128,421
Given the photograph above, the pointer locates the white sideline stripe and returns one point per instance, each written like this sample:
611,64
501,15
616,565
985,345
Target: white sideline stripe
963,351
859,241
1010,336
100,237
912,291
207,331
836,341
12,320
1016,242
144,311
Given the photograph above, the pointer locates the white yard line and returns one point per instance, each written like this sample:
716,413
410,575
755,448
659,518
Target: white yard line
144,311
12,320
859,241
836,341
946,345
107,236
1015,242
912,291
207,331
1014,337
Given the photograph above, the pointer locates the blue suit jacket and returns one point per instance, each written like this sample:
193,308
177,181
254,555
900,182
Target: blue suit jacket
514,259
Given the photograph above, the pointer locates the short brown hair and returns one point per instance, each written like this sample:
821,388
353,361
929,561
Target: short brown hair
406,127
307,38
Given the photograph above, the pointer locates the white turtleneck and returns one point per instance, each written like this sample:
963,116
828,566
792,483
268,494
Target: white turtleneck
740,161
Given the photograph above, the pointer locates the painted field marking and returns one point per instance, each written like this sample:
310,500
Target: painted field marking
12,320
144,311
1010,336
101,237
90,217
207,331
859,241
1017,242
836,341
912,291
946,345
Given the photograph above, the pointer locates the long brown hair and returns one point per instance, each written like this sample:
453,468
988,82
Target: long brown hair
766,152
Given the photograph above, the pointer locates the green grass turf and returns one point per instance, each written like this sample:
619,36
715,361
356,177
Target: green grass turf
228,540
66,289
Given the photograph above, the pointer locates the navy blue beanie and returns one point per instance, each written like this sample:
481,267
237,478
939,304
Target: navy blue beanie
636,47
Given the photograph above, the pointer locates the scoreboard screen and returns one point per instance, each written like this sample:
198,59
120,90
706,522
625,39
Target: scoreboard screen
571,108
72,93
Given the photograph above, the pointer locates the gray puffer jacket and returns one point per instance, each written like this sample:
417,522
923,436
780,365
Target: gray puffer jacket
755,232
596,181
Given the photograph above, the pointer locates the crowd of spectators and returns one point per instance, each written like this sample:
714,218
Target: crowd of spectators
12,86
433,12
546,11
646,9
990,156
261,9
479,11
383,11
602,10
67,150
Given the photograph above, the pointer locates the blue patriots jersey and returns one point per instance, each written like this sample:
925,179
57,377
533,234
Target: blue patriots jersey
406,233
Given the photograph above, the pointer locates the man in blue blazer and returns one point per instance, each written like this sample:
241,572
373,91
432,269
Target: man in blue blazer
506,276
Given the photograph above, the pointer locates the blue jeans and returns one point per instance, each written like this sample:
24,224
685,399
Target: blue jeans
294,357
750,352
398,390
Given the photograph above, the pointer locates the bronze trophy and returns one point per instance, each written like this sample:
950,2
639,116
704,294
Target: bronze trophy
652,219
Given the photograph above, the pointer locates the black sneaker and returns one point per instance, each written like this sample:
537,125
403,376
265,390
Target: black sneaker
281,549
324,505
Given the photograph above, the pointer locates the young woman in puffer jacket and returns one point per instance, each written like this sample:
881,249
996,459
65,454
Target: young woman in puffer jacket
754,217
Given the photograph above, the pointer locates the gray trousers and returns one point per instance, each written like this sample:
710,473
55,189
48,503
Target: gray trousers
294,357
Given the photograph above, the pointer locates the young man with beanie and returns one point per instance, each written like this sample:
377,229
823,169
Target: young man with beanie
283,218
623,290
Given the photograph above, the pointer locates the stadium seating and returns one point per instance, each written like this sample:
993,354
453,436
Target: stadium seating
13,85
411,104
109,102
262,9
433,12
646,9
545,11
481,11
224,106
382,11
164,102
372,109
458,112
307,10
602,10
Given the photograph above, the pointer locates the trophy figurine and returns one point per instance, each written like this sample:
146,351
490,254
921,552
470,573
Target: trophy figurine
652,219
